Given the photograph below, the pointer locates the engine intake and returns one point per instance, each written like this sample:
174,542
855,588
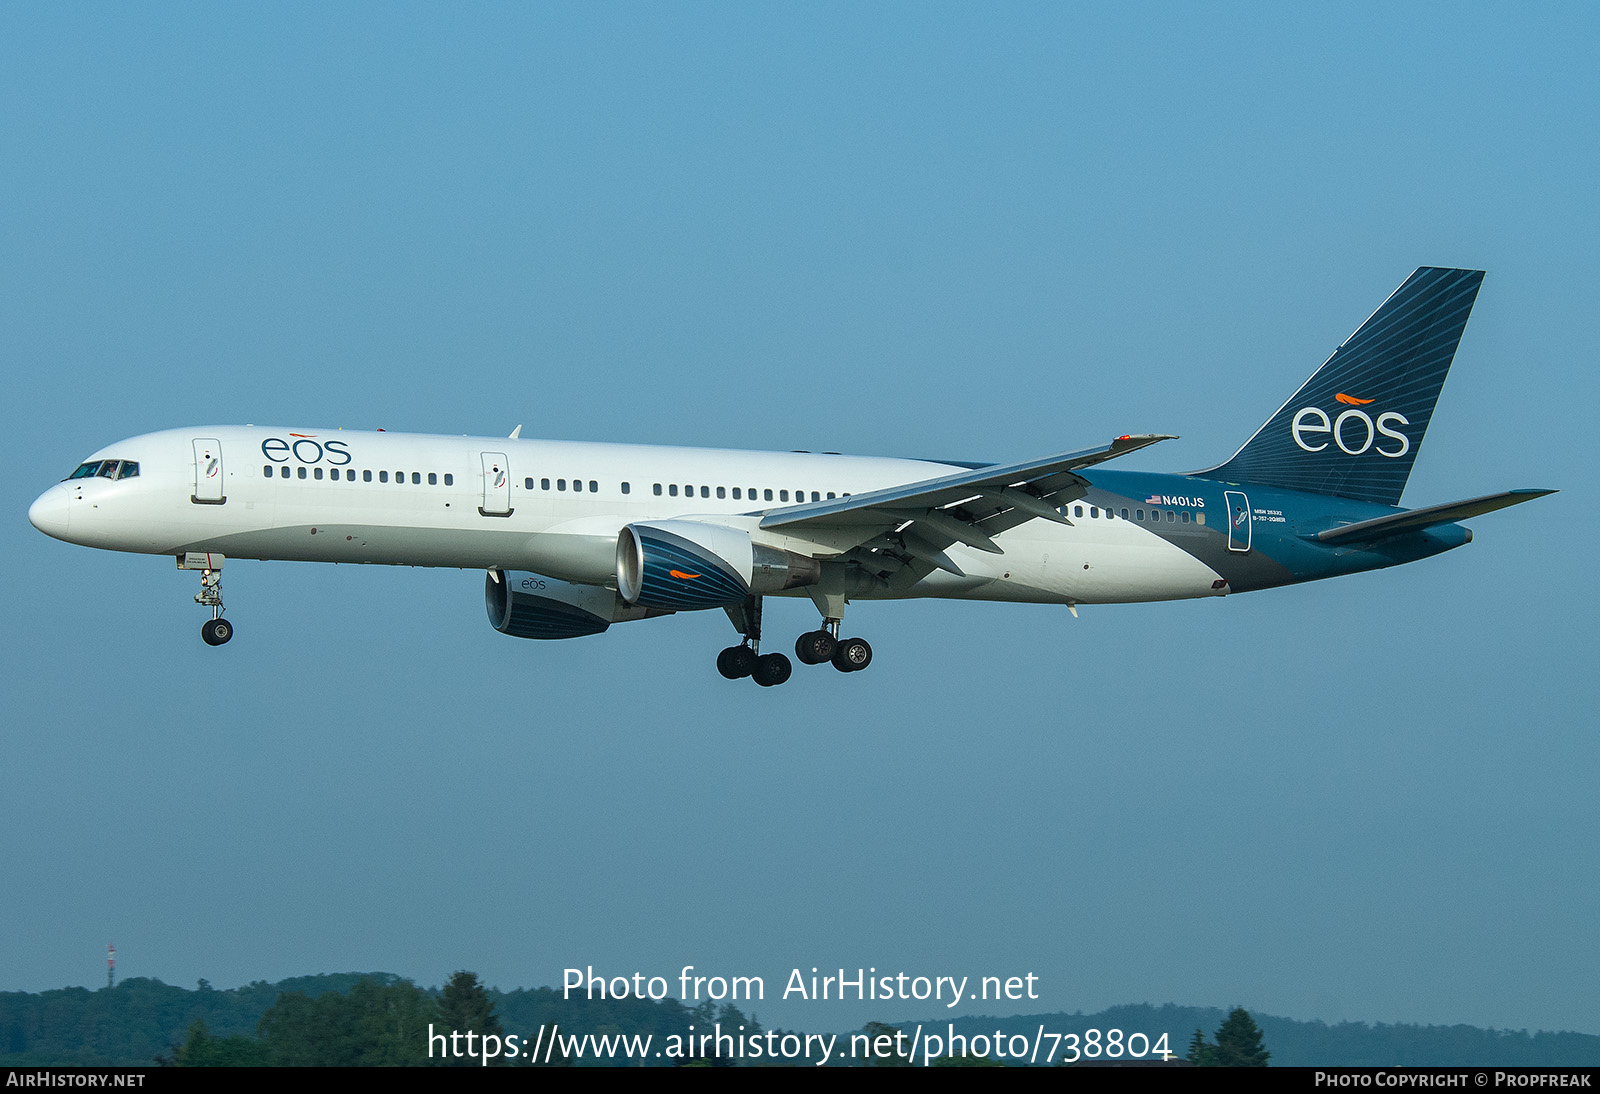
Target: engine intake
682,565
528,605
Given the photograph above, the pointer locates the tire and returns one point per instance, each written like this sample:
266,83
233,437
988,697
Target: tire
853,655
772,670
814,647
216,631
736,662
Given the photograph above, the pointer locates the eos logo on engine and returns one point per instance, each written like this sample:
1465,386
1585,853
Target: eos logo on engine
305,448
1354,431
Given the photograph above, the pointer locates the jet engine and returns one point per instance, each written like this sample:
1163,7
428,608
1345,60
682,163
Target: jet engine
527,605
681,565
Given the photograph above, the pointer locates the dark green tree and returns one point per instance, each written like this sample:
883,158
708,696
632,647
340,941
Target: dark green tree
1199,1052
375,1025
201,1049
464,1006
1239,1042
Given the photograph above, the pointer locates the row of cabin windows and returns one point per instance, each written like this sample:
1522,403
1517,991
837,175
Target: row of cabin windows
350,475
740,494
1156,515
671,489
577,485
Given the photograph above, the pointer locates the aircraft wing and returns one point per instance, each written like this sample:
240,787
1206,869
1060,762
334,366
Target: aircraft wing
900,525
1413,520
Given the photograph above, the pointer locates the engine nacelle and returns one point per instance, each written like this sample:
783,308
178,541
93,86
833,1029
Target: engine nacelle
527,605
681,565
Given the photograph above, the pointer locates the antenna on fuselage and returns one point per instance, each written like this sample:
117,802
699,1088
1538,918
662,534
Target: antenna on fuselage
517,432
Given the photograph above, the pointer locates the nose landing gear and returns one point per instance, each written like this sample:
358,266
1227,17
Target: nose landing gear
216,630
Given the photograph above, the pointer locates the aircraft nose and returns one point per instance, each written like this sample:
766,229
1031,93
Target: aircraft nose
49,513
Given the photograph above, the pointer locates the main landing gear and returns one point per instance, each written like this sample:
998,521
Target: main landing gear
771,669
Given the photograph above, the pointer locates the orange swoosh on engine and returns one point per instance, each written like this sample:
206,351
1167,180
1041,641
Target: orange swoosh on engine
681,576
1351,400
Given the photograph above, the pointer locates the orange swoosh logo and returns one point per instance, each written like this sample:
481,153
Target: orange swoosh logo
1351,400
681,576
303,436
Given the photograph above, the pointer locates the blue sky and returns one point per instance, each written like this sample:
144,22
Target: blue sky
926,230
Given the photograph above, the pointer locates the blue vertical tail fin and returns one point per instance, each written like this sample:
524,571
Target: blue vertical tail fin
1354,428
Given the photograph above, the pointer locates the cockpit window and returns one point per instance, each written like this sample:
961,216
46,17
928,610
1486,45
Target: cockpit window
106,469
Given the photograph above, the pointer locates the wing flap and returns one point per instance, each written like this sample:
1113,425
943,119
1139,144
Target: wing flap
891,505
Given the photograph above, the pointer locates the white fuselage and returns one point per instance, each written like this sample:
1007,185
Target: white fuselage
551,507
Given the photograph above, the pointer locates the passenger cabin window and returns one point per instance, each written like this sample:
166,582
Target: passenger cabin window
656,489
383,476
366,476
672,489
449,479
627,488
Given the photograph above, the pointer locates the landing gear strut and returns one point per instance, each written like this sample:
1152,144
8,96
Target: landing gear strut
737,662
216,630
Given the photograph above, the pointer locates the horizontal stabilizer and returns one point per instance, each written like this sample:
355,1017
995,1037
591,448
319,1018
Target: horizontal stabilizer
1397,524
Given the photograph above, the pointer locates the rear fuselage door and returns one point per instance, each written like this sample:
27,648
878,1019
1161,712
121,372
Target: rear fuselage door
207,472
1238,520
496,485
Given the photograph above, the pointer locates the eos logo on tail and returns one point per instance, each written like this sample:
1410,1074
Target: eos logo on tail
1353,430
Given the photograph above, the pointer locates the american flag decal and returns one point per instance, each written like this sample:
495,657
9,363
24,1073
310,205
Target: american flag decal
1153,499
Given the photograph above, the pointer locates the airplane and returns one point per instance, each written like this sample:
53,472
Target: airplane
576,537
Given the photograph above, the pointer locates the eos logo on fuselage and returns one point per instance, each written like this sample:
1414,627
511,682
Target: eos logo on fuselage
305,450
1353,431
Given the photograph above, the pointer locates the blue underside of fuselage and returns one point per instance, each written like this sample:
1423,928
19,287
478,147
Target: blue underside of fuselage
1282,545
